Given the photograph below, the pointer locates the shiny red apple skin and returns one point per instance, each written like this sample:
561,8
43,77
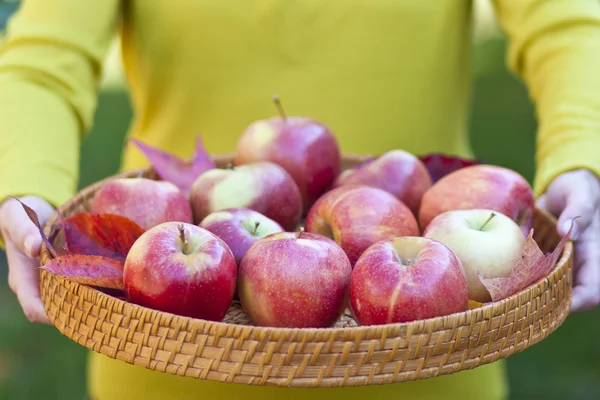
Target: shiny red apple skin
481,187
383,290
237,228
145,201
292,280
356,216
262,186
158,275
307,149
397,171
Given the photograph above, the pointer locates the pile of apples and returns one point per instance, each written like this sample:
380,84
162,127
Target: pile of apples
297,240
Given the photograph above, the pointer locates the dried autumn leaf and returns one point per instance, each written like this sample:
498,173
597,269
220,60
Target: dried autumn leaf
89,270
106,235
474,304
173,169
440,165
530,268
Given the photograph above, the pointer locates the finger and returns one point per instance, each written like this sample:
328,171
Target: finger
578,212
586,293
23,279
19,229
542,201
580,203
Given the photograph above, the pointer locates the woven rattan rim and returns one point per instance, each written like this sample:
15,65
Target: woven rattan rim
345,355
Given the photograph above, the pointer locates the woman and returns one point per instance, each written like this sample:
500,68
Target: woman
382,74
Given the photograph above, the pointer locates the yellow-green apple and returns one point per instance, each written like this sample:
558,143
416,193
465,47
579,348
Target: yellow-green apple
240,228
480,186
262,186
181,269
486,242
356,216
294,280
404,279
397,171
304,147
144,201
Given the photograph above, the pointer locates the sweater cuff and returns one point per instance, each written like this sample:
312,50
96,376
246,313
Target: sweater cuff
569,156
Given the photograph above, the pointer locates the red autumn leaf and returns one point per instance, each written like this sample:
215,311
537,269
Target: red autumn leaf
171,168
440,165
89,270
530,268
106,235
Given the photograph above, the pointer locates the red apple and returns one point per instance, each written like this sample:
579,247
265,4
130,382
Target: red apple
145,201
304,147
487,244
356,216
181,269
404,279
294,280
397,171
240,228
480,186
263,186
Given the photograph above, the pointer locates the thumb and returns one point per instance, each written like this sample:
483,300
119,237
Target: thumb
577,212
542,202
572,200
19,228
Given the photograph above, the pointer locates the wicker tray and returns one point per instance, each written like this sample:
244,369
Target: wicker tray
344,355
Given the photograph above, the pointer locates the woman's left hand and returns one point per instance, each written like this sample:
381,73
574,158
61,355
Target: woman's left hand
577,194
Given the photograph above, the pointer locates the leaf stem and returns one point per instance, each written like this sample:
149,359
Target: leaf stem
184,239
492,215
279,106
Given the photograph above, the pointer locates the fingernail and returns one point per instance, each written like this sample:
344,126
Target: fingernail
574,231
29,245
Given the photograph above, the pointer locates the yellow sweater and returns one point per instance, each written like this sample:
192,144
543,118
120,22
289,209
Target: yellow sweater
382,74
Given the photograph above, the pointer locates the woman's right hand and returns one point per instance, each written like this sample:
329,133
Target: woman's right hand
23,242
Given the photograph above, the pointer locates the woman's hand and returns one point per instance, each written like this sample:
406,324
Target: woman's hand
577,194
23,242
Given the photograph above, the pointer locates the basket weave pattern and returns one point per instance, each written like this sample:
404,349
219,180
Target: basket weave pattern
344,355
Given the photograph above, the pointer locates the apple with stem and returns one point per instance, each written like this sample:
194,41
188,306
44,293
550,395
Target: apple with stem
304,147
240,228
407,278
181,269
263,186
480,186
488,243
294,280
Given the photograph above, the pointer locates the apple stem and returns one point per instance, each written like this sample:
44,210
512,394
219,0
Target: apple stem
300,232
279,106
230,166
184,238
256,224
140,174
492,215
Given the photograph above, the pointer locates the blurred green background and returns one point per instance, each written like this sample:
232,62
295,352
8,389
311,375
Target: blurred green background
36,362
